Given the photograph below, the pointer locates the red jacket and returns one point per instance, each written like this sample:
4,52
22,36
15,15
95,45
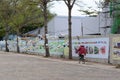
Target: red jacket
81,50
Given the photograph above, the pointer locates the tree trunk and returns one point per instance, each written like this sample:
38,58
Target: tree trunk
18,49
69,33
6,38
70,4
46,31
6,46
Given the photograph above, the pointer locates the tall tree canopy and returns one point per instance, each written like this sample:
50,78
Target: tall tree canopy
22,14
17,14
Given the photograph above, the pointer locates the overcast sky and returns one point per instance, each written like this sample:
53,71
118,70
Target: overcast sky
61,9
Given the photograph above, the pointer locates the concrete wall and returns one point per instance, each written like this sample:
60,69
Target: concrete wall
51,27
61,25
91,25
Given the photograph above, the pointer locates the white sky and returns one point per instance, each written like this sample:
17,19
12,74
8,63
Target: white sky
60,8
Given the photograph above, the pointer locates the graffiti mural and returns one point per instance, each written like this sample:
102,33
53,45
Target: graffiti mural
116,48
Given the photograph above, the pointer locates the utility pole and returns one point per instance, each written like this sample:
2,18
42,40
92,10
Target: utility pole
99,18
82,29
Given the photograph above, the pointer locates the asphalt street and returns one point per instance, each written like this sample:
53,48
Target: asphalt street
15,66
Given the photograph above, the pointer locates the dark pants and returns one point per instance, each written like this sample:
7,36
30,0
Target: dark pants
81,58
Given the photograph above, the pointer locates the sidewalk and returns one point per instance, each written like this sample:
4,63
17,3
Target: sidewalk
88,64
72,62
16,66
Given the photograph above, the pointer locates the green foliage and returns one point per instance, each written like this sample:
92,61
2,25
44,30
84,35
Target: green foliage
21,14
115,13
2,32
5,14
30,27
89,13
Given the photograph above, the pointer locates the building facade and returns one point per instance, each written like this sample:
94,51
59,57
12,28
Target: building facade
81,26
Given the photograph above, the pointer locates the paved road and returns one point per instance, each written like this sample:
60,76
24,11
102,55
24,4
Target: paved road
30,67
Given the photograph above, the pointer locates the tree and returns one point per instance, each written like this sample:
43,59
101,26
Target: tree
115,14
69,4
90,11
24,14
31,26
19,13
5,15
44,5
2,31
2,28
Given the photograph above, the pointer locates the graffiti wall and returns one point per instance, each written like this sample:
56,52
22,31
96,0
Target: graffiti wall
35,45
96,47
